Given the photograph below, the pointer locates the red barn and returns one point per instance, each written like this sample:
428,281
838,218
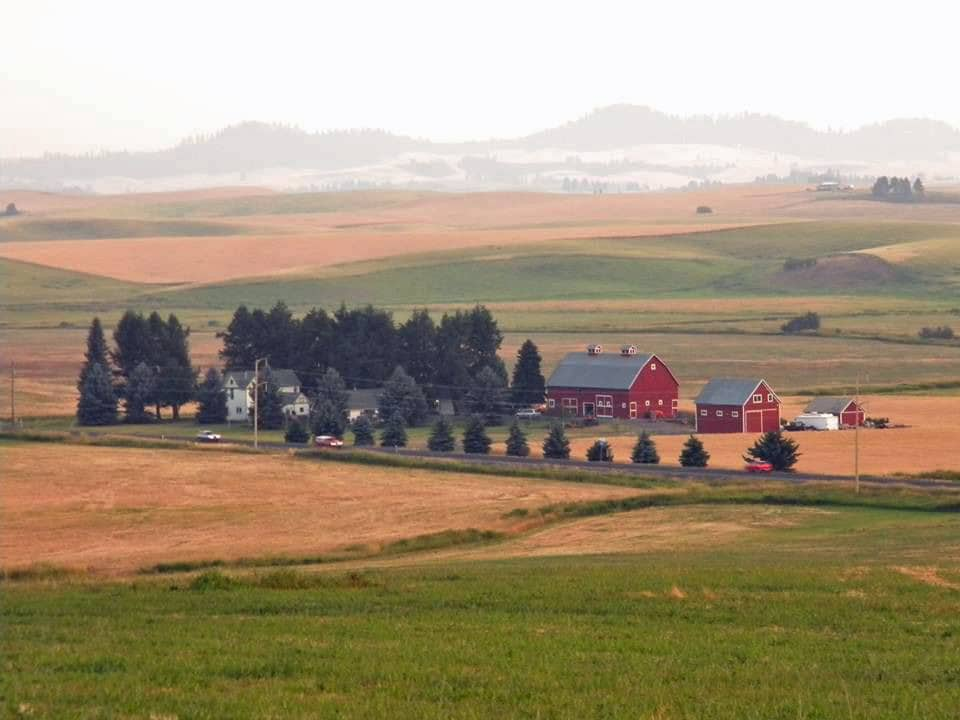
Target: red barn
847,410
626,386
737,405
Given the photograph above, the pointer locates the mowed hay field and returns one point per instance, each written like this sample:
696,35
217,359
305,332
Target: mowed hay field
113,511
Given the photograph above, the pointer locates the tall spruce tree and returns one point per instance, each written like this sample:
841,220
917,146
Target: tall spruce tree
775,448
394,432
693,453
211,399
269,404
331,390
441,437
555,445
528,386
98,403
417,339
177,379
241,343
645,451
133,342
517,441
362,429
327,419
475,438
401,394
96,353
141,388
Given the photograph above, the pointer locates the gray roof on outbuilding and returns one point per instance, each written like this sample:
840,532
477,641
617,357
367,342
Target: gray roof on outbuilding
728,391
829,405
603,372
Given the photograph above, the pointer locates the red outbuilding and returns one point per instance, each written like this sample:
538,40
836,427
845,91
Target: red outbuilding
626,386
737,405
847,410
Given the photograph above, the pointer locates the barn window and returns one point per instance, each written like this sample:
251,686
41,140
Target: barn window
769,397
703,413
719,413
551,403
647,403
653,366
734,413
623,406
660,403
758,398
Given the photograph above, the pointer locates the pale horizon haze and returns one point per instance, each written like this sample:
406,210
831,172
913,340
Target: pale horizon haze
113,75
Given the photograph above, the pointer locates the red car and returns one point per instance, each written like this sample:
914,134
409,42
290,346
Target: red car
758,466
327,441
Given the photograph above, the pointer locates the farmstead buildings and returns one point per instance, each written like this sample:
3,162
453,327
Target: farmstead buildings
736,405
625,385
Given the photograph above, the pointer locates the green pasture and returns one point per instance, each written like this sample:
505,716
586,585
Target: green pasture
806,618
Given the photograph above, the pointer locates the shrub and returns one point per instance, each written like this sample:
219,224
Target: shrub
600,451
941,332
794,264
645,451
296,432
775,448
881,423
693,453
704,210
555,445
517,441
441,437
808,321
475,438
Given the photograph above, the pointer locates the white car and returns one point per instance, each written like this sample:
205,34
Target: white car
208,436
528,414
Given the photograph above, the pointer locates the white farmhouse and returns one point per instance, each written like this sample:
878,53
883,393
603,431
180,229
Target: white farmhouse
239,385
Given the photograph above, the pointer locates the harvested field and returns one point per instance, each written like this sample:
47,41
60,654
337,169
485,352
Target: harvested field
113,511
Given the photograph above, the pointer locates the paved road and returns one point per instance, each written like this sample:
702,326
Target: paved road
714,475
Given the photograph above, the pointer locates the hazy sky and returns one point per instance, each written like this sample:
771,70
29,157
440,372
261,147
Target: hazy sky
78,76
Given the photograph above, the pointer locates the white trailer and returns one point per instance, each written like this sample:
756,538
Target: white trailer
818,421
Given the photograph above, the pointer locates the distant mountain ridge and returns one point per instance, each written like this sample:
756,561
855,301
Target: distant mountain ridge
252,147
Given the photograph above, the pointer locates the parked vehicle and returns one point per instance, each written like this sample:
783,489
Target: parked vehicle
327,441
528,413
758,466
208,436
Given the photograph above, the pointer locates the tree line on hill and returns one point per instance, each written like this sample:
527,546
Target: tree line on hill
898,189
416,362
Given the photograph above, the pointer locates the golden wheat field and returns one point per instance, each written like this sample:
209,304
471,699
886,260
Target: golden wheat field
113,510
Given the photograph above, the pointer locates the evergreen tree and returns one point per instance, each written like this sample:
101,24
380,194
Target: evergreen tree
327,419
517,441
211,399
394,432
366,345
645,451
528,386
332,389
600,451
177,381
775,448
475,438
417,339
693,453
98,403
133,342
441,437
315,347
240,341
918,187
486,396
362,431
269,404
141,386
401,394
97,351
555,445
881,187
296,432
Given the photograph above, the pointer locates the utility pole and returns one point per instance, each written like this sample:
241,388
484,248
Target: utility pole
13,393
256,403
856,440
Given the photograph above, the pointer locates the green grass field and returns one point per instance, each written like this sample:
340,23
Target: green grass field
803,620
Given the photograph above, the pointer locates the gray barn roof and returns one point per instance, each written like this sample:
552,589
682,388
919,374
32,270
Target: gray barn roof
603,372
829,405
728,391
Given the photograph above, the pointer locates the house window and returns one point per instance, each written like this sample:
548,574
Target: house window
758,398
239,410
734,413
719,413
231,393
551,403
703,413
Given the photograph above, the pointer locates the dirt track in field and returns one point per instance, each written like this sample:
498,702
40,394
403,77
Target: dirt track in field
112,511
